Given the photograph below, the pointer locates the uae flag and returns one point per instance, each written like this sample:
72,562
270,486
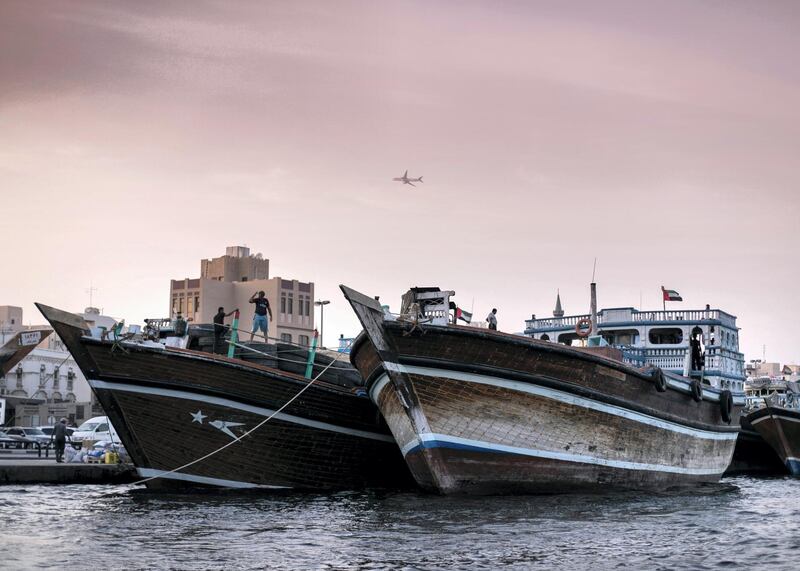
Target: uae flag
463,315
671,295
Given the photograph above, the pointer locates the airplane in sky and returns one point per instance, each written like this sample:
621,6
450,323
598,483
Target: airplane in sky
405,180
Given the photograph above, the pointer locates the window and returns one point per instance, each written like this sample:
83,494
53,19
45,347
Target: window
290,303
304,340
545,337
102,428
308,307
190,305
666,336
286,337
197,303
283,303
180,304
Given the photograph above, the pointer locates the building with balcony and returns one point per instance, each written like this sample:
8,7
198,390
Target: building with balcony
658,338
47,384
230,280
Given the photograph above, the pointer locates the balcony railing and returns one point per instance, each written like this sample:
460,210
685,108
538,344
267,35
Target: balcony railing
669,316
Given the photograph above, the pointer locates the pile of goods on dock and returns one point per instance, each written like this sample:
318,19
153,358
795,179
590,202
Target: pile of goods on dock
103,452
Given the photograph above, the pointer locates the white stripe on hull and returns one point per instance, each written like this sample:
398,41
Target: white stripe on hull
557,395
457,442
186,395
153,473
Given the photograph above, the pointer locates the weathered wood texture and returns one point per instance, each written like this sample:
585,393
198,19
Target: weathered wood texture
780,428
158,431
513,418
753,455
162,431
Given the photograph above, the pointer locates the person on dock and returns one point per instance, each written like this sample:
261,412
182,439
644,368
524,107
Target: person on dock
219,325
492,319
60,436
260,320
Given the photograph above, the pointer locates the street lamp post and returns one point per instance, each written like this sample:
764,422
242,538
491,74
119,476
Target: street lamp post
322,303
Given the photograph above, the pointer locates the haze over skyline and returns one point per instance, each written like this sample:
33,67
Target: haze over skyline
660,138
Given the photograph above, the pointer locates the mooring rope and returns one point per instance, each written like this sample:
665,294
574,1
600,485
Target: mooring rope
247,433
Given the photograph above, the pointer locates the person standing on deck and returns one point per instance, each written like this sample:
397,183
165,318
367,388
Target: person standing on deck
60,436
219,325
260,320
697,356
492,319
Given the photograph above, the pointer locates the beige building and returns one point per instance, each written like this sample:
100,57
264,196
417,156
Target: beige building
230,280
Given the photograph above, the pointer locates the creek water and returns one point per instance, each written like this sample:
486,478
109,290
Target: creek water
741,522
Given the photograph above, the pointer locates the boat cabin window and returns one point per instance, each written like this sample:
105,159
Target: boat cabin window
621,336
666,336
545,337
568,339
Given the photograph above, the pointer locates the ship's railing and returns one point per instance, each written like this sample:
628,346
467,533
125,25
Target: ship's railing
685,315
664,358
668,316
556,322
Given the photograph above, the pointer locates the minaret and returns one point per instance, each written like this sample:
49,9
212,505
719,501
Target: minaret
558,312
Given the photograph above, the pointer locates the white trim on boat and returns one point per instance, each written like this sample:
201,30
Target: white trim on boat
186,395
430,440
377,387
709,395
561,396
153,473
782,417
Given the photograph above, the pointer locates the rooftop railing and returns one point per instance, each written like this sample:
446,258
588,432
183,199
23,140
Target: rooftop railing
668,316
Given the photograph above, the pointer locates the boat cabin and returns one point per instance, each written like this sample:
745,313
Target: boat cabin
702,343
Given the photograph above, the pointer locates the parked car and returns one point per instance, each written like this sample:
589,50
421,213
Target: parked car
48,430
8,441
95,429
29,432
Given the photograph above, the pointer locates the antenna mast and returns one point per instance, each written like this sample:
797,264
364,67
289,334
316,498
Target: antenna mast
91,291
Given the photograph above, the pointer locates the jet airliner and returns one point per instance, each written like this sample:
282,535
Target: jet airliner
405,180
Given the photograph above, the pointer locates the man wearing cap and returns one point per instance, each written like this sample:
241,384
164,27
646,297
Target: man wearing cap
60,437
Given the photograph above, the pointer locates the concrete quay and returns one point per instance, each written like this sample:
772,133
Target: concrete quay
48,471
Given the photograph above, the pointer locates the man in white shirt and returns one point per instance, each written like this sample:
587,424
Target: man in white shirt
492,319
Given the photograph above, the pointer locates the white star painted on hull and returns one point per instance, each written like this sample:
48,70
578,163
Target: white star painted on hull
198,416
224,426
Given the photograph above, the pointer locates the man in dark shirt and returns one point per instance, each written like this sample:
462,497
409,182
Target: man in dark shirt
219,325
697,356
60,437
260,320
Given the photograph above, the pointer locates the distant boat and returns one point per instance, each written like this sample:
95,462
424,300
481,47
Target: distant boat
777,421
485,412
173,406
19,346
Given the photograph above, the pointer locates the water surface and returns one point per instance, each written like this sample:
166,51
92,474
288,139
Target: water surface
741,523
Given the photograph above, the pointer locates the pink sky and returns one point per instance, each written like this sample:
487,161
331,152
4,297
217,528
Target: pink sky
660,137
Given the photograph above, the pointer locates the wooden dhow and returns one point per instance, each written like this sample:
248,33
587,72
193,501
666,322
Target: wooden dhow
480,411
779,426
173,406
